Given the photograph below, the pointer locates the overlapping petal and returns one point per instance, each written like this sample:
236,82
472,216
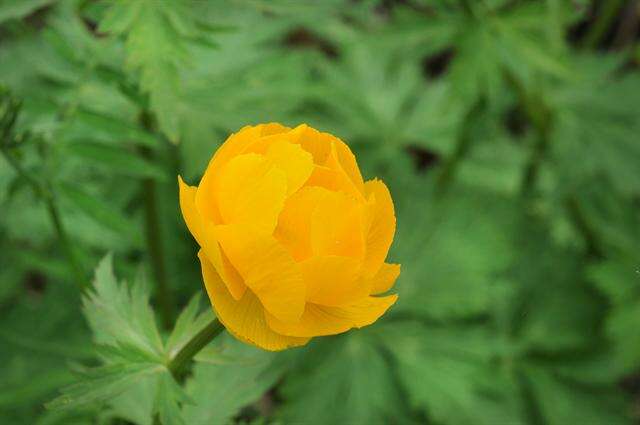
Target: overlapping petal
266,268
333,280
319,320
383,281
382,225
202,231
245,319
293,242
250,190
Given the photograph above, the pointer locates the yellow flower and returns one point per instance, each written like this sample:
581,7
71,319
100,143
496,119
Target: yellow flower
292,240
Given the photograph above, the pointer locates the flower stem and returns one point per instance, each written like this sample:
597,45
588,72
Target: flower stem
154,234
190,349
463,144
46,194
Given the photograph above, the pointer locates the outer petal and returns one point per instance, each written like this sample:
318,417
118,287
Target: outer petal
385,278
189,211
273,128
245,318
332,280
382,227
233,146
347,161
250,190
202,232
267,269
322,320
238,142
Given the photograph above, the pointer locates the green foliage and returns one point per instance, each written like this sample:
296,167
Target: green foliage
157,35
342,381
133,380
506,130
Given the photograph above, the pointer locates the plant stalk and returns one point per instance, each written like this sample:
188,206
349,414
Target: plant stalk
46,194
463,145
606,14
178,364
154,235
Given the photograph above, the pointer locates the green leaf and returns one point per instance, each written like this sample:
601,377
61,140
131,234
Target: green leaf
452,250
16,9
168,399
227,378
344,379
99,210
104,128
456,384
189,323
133,379
562,403
102,384
119,315
116,159
620,282
156,42
596,129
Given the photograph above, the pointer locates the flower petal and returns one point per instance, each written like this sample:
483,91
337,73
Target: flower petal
333,176
312,141
296,163
188,207
294,223
250,190
320,320
385,278
273,128
202,233
245,318
333,280
382,226
267,269
347,161
237,143
337,226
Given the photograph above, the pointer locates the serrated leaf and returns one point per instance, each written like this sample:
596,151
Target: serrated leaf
116,159
168,399
453,250
189,323
562,403
103,384
346,379
111,130
220,390
99,210
156,47
456,383
119,315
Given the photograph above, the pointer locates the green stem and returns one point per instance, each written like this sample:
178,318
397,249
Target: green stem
539,116
450,166
156,250
606,14
584,228
178,364
46,194
64,240
154,235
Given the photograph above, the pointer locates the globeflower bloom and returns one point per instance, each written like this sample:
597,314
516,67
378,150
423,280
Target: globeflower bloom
293,241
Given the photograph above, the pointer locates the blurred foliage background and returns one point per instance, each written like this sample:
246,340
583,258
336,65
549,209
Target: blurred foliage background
507,130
